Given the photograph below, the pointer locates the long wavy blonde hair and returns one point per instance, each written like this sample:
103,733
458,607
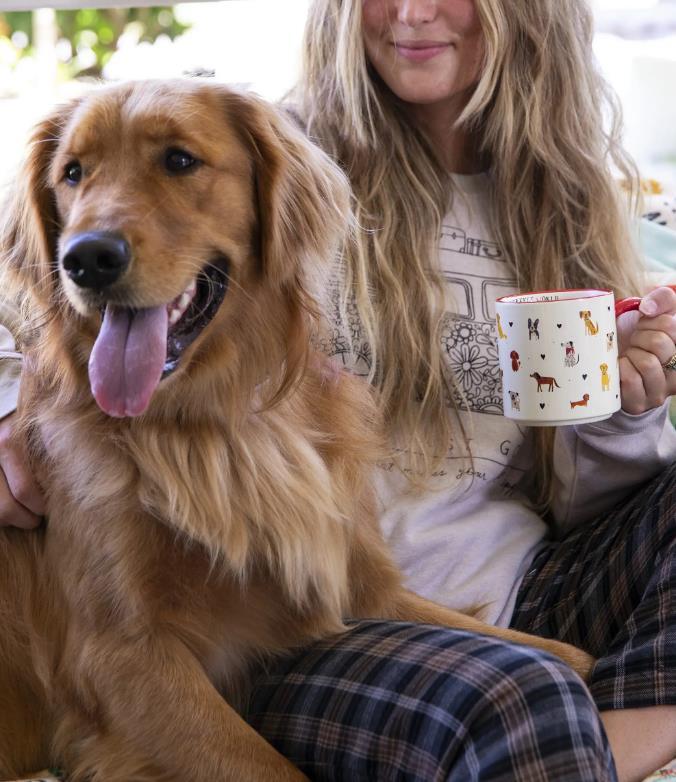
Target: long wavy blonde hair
537,115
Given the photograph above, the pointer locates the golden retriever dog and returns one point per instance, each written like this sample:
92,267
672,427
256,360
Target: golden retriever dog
207,474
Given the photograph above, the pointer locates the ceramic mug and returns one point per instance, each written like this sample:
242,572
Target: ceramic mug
558,355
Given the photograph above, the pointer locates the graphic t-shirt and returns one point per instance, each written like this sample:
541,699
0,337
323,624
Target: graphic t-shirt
467,540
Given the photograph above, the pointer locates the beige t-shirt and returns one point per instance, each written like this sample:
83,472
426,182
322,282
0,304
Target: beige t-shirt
469,539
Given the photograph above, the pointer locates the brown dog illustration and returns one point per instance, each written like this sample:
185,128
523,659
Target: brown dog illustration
605,377
516,363
580,403
550,382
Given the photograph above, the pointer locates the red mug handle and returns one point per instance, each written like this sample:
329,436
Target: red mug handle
632,303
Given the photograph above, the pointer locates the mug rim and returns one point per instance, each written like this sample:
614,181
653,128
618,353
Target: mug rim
597,293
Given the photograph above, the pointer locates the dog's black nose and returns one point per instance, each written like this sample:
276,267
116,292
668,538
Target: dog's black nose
96,259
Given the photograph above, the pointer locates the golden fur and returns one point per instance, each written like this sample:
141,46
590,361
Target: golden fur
233,519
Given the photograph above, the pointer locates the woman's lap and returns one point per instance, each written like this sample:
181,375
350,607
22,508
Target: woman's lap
394,701
610,587
397,701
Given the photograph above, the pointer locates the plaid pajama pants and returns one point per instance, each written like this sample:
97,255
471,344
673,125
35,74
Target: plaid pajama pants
610,588
400,702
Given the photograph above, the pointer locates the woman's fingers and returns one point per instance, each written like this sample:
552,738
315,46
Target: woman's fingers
13,513
627,324
659,301
644,383
22,502
658,342
656,311
647,342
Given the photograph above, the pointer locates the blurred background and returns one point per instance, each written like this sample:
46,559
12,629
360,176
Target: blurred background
48,54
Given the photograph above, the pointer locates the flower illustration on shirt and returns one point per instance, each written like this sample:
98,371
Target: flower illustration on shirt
465,333
492,373
455,332
492,377
471,355
491,403
468,365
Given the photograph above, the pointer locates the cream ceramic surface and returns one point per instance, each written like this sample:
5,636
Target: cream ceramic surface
558,356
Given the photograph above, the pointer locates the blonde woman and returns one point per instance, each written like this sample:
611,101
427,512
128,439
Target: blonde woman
471,131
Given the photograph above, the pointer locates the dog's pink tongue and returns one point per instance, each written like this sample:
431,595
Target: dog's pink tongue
128,358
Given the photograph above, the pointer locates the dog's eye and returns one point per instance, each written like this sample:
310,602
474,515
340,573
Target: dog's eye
178,161
72,172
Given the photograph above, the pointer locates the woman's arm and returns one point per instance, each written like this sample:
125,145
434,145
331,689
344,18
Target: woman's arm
597,465
21,500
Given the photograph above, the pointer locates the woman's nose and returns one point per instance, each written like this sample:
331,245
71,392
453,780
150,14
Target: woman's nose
416,12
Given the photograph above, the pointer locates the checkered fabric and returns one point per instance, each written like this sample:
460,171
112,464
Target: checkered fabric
400,702
610,587
392,701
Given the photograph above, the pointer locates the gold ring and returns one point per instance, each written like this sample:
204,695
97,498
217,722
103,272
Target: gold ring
671,364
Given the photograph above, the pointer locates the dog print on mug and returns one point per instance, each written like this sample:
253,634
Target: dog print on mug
560,344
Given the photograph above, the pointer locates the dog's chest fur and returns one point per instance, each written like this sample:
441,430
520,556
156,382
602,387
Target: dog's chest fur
166,542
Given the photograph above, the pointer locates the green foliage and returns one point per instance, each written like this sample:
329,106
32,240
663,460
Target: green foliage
96,29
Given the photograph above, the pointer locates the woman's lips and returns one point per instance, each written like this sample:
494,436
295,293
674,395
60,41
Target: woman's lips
420,51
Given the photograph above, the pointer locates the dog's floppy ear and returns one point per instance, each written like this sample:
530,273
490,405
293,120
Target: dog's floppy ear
303,197
304,218
30,223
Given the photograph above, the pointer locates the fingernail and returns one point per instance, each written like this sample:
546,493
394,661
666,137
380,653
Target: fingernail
648,307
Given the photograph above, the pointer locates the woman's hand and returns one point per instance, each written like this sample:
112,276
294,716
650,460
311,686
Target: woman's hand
646,341
22,503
